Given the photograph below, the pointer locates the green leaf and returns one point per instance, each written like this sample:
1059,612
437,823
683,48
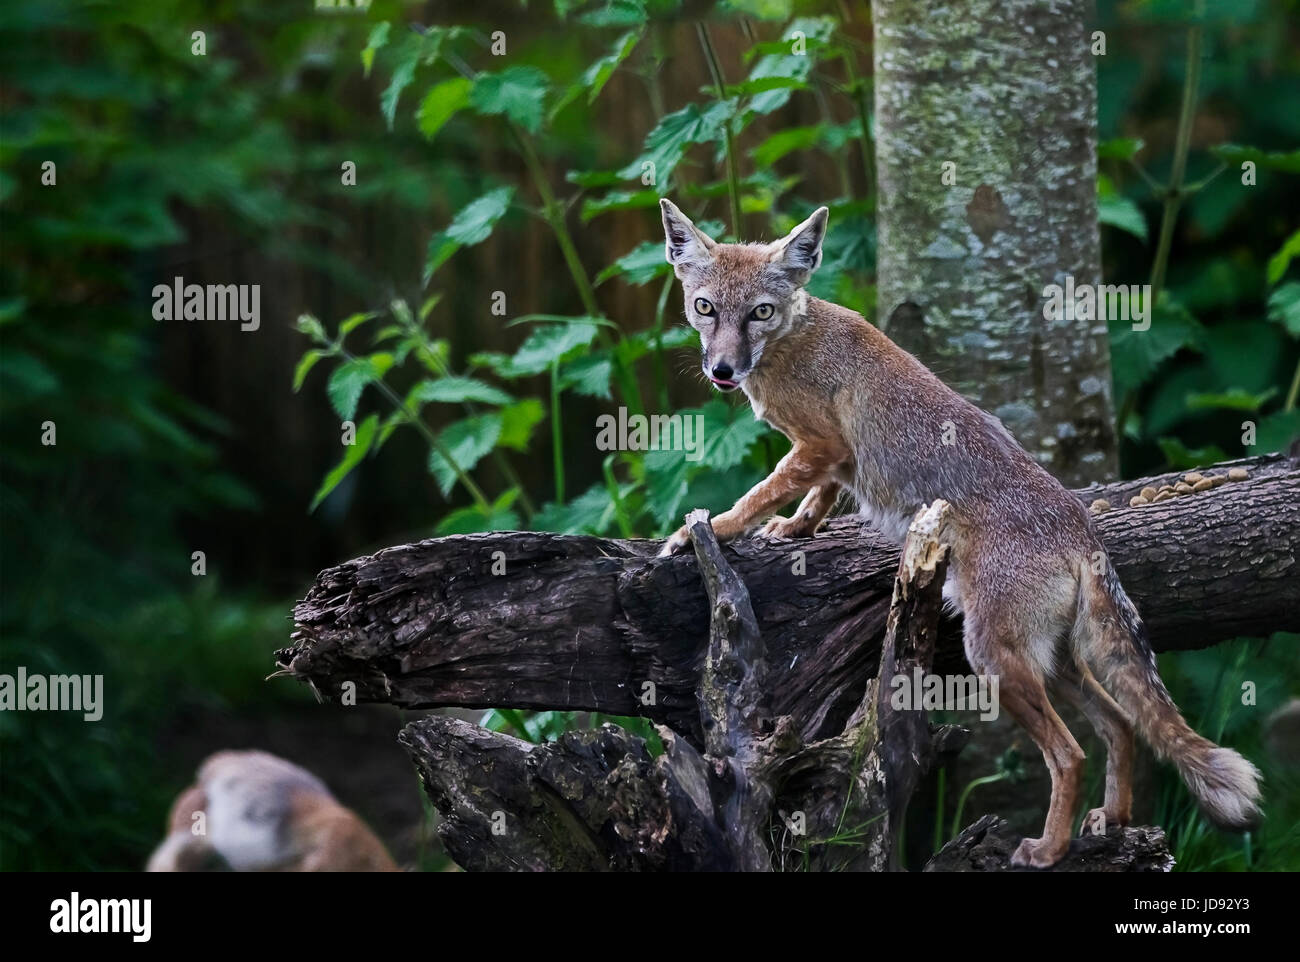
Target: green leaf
518,421
1248,354
598,73
391,423
619,200
1284,307
640,265
593,178
467,441
588,376
346,384
1277,431
838,136
1117,210
309,325
563,319
760,85
785,142
414,49
352,456
591,512
729,432
549,343
817,31
717,491
763,9
516,92
665,145
354,321
429,304
498,517
378,38
1119,148
635,346
1180,457
458,390
304,366
616,13
1235,399
1235,155
1121,212
403,74
1279,262
665,484
441,103
28,376
1135,355
472,225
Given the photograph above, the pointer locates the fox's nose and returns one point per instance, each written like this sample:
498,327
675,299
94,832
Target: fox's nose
722,371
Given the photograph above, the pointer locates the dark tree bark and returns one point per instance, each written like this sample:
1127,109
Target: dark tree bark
756,799
598,624
986,846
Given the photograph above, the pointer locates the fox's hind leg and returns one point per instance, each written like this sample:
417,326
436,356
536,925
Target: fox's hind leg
995,647
1080,687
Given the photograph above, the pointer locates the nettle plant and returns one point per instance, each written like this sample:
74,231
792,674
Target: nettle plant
639,493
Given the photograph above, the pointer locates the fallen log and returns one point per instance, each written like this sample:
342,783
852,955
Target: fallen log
756,799
986,846
544,621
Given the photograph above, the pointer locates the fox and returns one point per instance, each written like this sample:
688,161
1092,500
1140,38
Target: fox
1043,607
261,813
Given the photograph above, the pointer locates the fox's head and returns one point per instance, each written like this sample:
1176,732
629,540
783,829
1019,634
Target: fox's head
741,297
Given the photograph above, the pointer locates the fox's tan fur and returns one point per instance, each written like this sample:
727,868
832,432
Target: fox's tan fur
1043,607
261,813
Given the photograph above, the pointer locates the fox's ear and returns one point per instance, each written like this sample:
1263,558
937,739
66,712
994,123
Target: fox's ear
800,251
685,246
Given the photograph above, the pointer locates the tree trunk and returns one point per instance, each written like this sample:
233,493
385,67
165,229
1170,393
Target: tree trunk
596,624
1006,92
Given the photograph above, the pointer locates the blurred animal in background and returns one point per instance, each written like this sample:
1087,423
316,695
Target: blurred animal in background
251,811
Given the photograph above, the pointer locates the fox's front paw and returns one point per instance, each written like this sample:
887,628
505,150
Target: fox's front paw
1039,853
679,540
796,527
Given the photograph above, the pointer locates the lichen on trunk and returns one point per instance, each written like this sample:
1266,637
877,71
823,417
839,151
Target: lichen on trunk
1006,93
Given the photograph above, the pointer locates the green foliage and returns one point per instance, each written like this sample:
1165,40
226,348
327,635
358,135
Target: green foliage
586,355
150,139
1226,693
1220,363
471,226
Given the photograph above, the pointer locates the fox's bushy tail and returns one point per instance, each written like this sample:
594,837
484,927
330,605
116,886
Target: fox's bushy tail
1110,636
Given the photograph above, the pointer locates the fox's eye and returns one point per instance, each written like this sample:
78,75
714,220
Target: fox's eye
763,312
703,307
